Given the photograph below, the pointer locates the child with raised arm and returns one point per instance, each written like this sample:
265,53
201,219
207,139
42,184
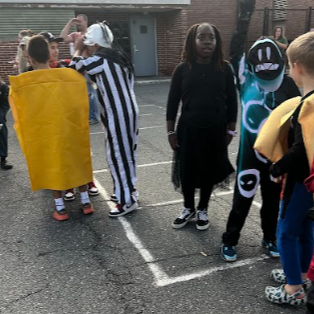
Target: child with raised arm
113,73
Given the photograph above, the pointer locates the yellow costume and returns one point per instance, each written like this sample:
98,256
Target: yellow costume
272,140
50,109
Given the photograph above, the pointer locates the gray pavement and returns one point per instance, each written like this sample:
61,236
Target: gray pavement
134,264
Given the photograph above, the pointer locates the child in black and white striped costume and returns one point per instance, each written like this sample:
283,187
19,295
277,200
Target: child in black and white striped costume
112,71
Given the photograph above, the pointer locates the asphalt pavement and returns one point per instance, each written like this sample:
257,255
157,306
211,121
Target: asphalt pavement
134,264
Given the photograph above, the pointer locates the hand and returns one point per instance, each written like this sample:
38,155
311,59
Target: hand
75,21
247,8
229,138
173,141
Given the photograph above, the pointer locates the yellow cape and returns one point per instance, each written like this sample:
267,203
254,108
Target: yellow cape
50,109
272,140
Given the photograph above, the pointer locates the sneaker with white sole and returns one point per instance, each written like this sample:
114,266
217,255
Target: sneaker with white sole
228,253
121,210
186,215
113,198
92,189
279,276
279,295
202,222
272,249
69,195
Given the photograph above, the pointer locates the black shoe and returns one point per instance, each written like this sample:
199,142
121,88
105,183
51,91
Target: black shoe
186,215
5,165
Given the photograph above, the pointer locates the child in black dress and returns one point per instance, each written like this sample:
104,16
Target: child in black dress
204,83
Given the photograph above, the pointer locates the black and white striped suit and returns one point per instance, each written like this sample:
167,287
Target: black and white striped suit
119,114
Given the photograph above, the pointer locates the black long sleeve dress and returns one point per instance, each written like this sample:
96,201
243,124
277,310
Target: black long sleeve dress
209,103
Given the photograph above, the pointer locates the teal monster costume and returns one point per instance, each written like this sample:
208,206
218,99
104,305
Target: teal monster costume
263,86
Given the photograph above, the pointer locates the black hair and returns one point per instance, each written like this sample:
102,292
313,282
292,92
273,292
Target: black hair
38,49
189,51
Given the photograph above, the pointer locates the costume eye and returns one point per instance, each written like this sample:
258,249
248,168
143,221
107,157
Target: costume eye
268,52
260,54
250,182
242,183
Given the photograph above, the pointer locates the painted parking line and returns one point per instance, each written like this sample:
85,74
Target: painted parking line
139,166
161,278
144,128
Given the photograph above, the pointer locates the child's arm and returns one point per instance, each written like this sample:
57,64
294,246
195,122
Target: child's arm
92,65
240,33
232,99
173,102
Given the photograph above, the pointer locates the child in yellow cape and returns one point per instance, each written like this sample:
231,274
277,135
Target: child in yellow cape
50,109
287,139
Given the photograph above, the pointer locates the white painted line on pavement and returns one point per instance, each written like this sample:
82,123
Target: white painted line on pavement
152,127
139,166
181,200
173,280
93,133
145,128
158,273
161,279
257,204
146,114
146,106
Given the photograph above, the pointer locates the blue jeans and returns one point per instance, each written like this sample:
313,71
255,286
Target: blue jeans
295,234
93,101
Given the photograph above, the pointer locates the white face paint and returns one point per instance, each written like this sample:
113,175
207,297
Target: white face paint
259,157
248,119
248,181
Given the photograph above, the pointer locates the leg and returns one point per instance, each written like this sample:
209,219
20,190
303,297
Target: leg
59,213
87,206
293,229
205,194
242,201
188,195
93,103
270,208
4,147
202,222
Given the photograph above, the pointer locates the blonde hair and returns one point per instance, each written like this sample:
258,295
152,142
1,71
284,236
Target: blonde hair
301,51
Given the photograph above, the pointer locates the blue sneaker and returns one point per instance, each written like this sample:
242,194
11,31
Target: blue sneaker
228,253
272,249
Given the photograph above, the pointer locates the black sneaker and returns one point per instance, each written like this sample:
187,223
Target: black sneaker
5,165
183,218
202,222
272,249
228,253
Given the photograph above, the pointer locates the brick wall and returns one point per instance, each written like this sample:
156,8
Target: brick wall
173,25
